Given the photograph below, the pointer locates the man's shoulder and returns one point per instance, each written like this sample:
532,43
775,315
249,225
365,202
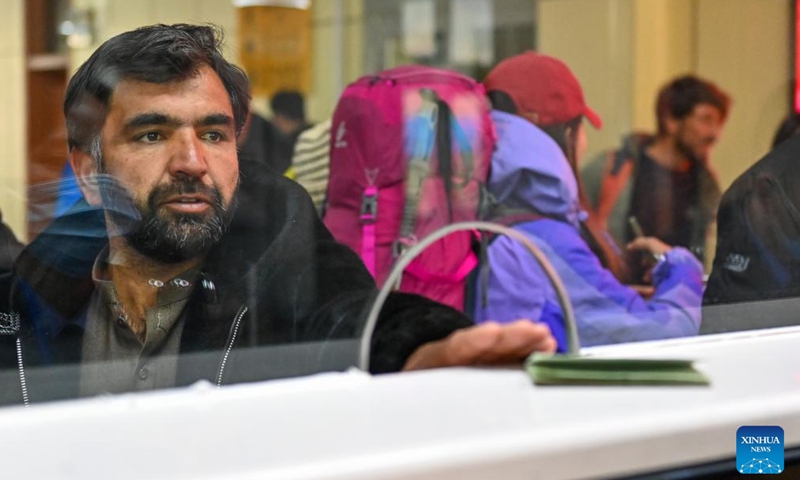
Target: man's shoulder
264,188
56,265
598,162
635,142
274,214
708,186
611,161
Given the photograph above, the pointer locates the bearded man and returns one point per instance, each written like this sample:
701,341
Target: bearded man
185,264
664,181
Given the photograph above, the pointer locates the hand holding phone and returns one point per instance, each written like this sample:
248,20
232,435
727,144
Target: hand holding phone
655,247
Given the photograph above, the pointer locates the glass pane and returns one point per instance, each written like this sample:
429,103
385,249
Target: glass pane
172,248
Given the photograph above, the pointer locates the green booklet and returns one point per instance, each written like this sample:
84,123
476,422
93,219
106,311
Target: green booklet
548,369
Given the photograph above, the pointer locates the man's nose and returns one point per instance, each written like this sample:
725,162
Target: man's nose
188,156
716,131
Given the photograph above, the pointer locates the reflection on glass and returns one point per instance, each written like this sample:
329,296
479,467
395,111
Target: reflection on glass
249,284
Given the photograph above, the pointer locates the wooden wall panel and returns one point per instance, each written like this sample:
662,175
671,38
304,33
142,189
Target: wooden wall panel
275,48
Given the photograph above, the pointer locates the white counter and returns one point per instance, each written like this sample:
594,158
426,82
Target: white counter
446,424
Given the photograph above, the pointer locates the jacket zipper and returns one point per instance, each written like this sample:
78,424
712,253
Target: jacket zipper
229,346
22,381
231,339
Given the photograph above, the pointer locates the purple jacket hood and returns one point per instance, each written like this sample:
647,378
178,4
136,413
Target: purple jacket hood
529,171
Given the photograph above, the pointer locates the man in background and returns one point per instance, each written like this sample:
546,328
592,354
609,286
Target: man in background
271,142
664,181
289,120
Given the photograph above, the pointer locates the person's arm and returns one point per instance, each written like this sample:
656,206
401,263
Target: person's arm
410,327
606,311
412,332
415,333
673,311
517,288
486,344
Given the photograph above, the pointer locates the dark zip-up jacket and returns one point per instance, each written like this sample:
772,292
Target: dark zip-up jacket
276,297
10,247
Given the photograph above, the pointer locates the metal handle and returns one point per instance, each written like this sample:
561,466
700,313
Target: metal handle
573,345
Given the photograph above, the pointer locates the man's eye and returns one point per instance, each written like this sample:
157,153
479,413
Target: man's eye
150,137
213,137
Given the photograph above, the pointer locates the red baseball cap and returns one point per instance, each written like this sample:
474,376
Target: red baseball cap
542,86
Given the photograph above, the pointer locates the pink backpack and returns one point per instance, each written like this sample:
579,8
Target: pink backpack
396,175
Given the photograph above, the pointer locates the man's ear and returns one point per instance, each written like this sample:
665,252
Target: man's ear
85,169
671,125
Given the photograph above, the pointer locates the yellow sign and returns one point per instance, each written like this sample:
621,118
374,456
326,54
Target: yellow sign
275,48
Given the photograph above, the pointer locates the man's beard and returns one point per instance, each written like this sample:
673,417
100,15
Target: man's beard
692,154
689,153
160,234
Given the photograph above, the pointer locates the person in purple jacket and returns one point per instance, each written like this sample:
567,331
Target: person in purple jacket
538,111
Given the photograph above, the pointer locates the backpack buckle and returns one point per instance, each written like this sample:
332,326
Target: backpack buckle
369,206
401,245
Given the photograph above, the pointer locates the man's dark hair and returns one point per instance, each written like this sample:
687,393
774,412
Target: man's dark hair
678,99
155,54
289,104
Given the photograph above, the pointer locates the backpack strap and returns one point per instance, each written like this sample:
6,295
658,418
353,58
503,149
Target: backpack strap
467,265
464,146
444,152
615,176
433,127
508,217
445,137
368,215
424,126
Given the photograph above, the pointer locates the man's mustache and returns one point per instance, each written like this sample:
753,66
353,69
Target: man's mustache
184,186
121,201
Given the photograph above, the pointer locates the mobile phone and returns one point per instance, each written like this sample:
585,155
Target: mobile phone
638,233
635,227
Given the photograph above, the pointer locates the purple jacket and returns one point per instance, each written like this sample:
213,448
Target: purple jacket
530,171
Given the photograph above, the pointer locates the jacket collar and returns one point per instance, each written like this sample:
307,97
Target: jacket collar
57,264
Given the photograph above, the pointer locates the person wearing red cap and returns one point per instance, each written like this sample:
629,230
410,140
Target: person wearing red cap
664,181
538,111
